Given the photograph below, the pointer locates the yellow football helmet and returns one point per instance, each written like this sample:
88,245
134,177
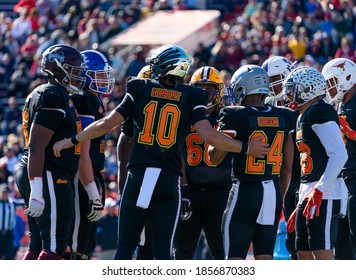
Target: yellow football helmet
145,72
208,75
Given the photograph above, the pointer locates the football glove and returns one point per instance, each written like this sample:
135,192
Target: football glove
186,203
95,204
346,129
291,221
36,203
312,209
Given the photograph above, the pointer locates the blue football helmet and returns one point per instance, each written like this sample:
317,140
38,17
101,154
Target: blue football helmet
98,72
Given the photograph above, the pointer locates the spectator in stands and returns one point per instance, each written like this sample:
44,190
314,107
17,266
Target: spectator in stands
5,23
250,8
6,68
298,44
114,9
201,55
116,24
136,62
132,12
12,116
9,160
21,26
20,81
34,18
162,5
29,49
24,4
345,50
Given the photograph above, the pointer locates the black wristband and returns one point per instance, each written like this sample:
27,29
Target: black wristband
74,140
244,148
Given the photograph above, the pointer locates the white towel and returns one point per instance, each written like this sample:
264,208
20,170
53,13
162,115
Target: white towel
268,207
148,185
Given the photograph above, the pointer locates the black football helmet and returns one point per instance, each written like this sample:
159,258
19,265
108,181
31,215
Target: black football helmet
170,63
64,65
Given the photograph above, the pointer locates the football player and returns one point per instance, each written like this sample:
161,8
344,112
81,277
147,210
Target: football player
278,68
322,192
89,182
340,75
125,144
45,181
206,186
163,108
255,201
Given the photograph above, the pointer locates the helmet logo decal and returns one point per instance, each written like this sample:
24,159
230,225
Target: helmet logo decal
55,55
259,81
341,65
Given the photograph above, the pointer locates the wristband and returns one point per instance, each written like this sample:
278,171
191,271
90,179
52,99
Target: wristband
92,190
36,186
74,140
244,148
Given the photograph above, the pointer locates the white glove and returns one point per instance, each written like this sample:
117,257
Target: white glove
36,202
95,204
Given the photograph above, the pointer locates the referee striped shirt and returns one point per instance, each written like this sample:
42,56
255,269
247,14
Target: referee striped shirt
7,215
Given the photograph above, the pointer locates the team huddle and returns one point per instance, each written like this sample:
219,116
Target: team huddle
283,144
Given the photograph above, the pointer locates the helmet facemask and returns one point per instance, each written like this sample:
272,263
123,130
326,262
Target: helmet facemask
102,82
73,79
210,79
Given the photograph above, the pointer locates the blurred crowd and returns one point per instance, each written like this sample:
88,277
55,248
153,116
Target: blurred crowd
309,32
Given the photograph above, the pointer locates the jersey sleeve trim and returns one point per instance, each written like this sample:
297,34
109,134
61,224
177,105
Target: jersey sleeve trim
54,109
199,106
131,96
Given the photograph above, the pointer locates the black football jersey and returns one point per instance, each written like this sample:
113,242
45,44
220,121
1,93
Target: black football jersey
50,106
127,127
162,118
349,109
199,169
313,157
88,104
272,124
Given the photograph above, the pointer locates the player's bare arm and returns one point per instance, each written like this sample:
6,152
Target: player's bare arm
222,142
94,130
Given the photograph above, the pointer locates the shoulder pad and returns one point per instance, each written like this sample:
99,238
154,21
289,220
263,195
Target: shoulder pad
55,97
322,113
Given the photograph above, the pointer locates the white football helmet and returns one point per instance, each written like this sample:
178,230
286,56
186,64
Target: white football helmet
303,84
277,68
339,73
247,80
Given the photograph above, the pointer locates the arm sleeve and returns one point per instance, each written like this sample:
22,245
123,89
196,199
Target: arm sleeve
330,136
